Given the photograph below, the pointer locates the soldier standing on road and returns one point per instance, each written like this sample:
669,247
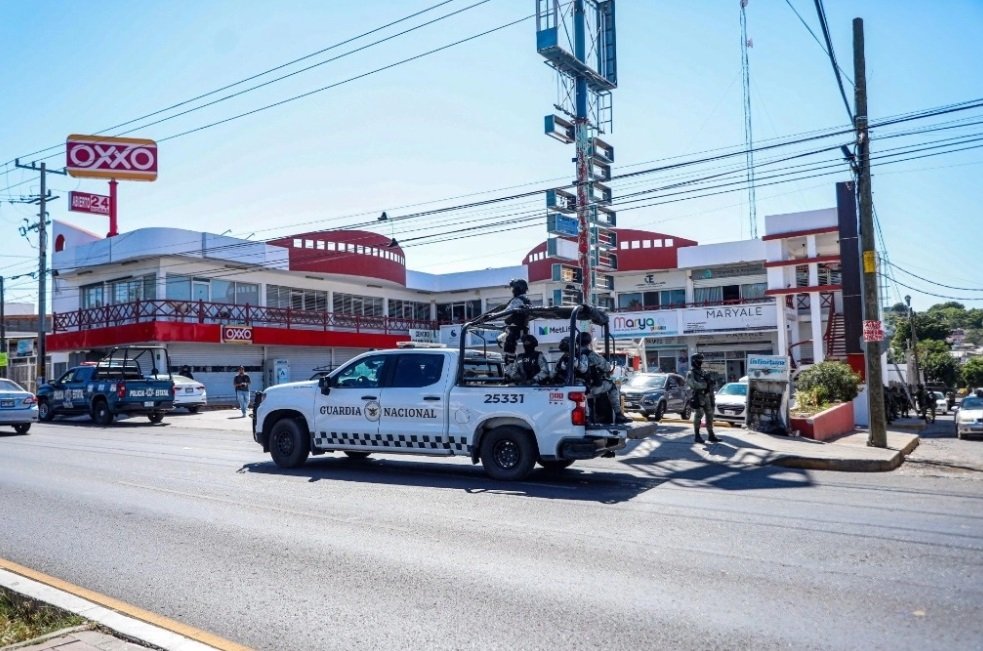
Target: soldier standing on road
599,377
701,383
241,383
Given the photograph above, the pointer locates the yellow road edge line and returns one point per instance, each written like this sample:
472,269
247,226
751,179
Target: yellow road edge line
124,608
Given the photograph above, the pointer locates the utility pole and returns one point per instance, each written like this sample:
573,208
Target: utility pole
914,340
875,391
3,329
41,370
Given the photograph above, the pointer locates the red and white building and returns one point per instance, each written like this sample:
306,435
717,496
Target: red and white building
317,299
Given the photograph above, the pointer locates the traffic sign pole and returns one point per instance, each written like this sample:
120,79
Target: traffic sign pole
112,208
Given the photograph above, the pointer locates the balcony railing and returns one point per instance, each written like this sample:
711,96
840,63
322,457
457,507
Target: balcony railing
679,306
172,311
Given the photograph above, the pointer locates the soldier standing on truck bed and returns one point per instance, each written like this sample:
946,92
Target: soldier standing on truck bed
702,385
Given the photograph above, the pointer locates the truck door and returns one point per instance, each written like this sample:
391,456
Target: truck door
349,415
413,409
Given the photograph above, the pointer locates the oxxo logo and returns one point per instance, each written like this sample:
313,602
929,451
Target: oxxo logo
103,157
237,334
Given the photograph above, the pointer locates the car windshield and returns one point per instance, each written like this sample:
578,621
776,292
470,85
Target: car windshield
9,385
647,381
733,389
938,395
972,403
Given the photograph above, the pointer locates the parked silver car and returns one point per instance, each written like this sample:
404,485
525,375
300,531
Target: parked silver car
653,394
730,402
18,406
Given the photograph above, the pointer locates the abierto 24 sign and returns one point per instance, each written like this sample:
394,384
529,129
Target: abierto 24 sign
105,157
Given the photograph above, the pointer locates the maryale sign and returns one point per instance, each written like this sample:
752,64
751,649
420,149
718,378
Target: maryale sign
237,334
725,318
634,325
105,157
96,204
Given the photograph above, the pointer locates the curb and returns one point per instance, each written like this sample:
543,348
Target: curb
842,465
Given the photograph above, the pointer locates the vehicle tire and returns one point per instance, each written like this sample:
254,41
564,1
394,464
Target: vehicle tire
555,465
101,414
156,417
289,445
508,453
660,411
686,413
194,410
22,428
357,454
45,412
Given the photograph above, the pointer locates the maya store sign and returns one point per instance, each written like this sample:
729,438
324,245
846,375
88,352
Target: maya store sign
634,325
233,334
730,318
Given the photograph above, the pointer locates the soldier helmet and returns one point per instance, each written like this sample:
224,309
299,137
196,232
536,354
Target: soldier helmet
565,345
529,340
519,286
584,339
696,360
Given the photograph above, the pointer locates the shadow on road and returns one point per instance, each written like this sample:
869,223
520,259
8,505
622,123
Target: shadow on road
591,485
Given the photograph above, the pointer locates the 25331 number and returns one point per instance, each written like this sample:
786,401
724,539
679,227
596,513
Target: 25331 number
502,398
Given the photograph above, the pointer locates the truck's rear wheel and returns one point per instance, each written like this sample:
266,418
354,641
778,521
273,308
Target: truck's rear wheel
45,412
289,447
101,413
508,453
155,417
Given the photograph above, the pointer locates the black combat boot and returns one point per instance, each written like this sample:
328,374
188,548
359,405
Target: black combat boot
712,437
697,438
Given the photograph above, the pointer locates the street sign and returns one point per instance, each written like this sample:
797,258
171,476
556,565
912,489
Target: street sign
3,360
105,157
557,224
873,331
96,204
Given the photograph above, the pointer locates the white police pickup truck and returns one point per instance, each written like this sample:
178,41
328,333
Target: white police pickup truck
437,402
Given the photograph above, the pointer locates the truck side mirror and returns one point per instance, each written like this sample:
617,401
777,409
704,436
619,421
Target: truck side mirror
324,384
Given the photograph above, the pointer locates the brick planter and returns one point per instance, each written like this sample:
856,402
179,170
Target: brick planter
825,425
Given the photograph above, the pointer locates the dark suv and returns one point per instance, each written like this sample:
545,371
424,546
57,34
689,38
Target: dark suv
653,394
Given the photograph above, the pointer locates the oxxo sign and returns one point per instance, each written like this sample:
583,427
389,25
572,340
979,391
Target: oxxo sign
104,157
235,334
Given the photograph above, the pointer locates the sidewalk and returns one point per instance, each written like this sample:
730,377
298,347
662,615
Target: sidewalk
741,447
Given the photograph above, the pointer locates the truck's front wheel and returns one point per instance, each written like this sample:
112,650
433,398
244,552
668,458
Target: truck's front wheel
508,453
101,413
288,444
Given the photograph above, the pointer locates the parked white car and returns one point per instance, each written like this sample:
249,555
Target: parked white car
969,418
189,394
941,404
18,407
730,402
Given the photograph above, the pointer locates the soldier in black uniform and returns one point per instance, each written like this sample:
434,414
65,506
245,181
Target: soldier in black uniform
598,373
531,366
516,324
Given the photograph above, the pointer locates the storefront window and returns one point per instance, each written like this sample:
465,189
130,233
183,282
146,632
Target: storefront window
178,287
753,291
409,309
458,312
91,296
357,305
672,298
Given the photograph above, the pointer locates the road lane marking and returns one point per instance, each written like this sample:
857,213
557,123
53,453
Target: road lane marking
124,608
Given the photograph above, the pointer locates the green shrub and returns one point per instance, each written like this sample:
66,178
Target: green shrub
827,383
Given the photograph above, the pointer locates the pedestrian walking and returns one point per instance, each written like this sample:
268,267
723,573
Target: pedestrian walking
241,383
702,385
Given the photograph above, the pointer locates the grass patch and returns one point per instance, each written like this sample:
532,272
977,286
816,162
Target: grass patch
22,618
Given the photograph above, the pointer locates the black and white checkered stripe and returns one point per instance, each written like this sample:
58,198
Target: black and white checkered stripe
459,444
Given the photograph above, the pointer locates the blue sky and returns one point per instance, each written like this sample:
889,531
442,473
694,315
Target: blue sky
469,119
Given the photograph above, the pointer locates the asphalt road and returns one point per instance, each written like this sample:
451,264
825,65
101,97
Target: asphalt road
655,549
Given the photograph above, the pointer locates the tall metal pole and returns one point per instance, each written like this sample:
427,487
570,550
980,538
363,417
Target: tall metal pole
583,149
875,391
42,280
914,340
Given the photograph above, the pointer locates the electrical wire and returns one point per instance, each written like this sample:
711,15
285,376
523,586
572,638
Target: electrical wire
832,56
933,294
932,282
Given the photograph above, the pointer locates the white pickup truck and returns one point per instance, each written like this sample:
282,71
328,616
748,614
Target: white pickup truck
437,402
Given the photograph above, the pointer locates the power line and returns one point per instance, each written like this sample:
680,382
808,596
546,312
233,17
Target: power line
932,282
933,294
261,74
816,38
832,56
